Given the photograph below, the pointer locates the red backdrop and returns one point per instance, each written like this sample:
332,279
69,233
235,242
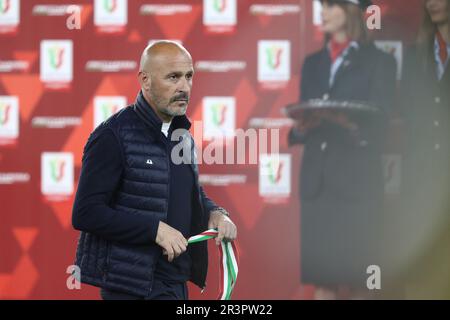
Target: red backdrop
47,114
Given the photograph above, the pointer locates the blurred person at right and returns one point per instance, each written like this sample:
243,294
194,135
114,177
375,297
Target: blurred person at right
423,248
341,180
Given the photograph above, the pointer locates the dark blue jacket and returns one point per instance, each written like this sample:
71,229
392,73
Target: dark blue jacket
119,222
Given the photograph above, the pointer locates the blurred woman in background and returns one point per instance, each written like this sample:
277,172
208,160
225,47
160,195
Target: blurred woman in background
341,179
426,105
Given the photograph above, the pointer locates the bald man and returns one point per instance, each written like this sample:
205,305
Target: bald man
135,206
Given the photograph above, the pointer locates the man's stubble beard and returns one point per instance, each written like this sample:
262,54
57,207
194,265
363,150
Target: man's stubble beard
165,108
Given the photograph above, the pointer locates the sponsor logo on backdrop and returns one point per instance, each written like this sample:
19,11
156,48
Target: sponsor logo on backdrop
392,168
220,16
270,123
9,15
220,66
56,122
111,66
14,66
274,9
219,117
9,120
106,106
57,171
56,58
14,177
164,9
396,49
110,16
57,10
275,175
274,63
222,180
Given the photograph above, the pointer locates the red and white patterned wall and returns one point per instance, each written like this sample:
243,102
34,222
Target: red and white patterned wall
58,82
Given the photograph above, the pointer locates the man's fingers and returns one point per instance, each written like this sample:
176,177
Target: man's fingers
171,240
220,236
183,243
179,248
170,254
228,233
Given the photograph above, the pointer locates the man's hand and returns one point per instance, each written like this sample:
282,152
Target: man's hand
226,228
171,240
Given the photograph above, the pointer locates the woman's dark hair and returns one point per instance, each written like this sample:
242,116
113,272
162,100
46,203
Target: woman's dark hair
427,33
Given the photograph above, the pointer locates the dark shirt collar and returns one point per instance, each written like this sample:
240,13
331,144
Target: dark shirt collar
148,115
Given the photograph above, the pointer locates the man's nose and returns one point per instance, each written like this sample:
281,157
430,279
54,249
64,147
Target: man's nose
185,85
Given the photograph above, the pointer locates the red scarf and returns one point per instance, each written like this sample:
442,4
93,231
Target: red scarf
443,51
337,48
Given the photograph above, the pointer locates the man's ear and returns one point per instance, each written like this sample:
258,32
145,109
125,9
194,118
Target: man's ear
144,80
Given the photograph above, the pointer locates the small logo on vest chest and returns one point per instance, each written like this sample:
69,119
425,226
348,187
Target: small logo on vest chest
149,161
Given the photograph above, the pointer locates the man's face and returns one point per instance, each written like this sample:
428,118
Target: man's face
438,10
170,84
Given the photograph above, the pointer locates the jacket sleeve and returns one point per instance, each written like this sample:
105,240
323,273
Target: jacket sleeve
208,204
295,136
101,172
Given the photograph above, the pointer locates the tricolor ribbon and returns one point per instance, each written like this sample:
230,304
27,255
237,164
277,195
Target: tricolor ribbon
229,259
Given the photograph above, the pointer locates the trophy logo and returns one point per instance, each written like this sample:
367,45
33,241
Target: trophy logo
56,56
274,57
274,65
57,172
220,5
9,119
110,15
219,117
274,175
220,16
57,169
5,5
110,5
106,106
56,61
